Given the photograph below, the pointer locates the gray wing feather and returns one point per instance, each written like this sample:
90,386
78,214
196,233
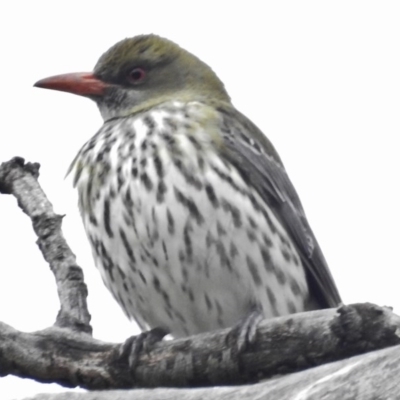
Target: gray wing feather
256,159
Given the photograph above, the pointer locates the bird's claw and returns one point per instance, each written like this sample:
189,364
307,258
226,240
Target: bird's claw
244,332
132,348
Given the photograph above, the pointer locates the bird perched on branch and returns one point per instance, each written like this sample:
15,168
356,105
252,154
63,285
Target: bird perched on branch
192,219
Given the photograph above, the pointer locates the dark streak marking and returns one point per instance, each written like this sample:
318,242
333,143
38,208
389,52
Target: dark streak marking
294,286
234,211
156,284
107,218
253,270
271,225
251,235
220,229
286,255
252,223
188,175
188,241
143,162
93,220
272,300
208,302
128,248
165,250
233,251
266,256
280,276
211,195
161,190
158,165
227,178
195,143
200,162
148,184
190,205
267,240
144,145
180,317
142,277
107,262
171,223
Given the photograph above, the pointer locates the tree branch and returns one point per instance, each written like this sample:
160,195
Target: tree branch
20,180
367,377
283,345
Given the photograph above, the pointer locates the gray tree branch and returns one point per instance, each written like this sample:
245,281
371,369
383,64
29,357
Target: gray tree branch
372,376
283,345
20,180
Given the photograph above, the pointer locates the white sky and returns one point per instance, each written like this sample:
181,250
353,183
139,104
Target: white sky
320,78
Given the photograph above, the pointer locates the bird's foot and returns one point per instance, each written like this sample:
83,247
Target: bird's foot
244,332
132,347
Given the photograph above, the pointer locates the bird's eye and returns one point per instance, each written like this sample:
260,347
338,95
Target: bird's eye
136,75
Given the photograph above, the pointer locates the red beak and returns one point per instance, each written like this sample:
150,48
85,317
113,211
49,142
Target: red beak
80,83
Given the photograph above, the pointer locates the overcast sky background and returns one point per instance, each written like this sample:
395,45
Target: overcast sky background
320,78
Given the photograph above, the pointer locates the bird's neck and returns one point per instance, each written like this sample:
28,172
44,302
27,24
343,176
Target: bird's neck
178,100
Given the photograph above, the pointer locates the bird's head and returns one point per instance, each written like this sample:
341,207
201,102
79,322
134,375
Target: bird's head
141,72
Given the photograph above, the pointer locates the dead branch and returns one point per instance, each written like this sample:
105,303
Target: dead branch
20,180
372,376
283,345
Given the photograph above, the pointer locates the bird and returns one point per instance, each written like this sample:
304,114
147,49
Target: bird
191,216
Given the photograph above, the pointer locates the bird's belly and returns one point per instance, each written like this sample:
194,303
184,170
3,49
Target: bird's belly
181,240
197,254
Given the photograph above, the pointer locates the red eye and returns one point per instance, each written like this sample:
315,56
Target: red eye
136,75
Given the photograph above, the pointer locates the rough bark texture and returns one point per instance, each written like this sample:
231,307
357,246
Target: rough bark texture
372,376
67,354
282,346
20,180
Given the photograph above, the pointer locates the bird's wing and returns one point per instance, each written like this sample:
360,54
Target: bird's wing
258,162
